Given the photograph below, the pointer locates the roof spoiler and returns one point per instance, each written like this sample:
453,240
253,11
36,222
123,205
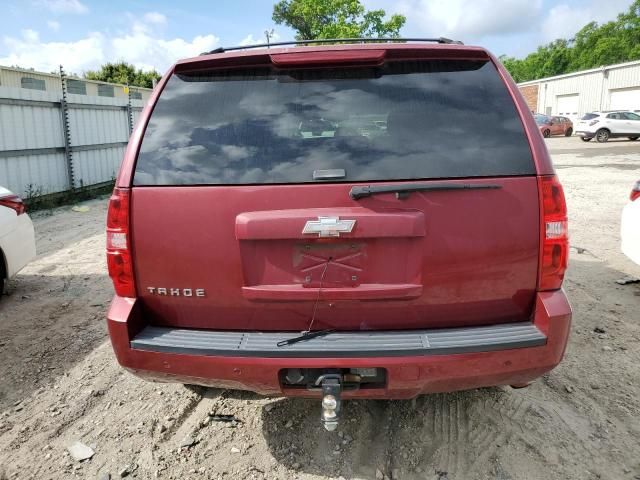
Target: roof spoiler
442,40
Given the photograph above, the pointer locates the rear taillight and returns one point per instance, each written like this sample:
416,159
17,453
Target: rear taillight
555,240
118,244
593,122
635,192
14,202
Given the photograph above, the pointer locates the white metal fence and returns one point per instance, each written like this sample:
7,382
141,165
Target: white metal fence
34,156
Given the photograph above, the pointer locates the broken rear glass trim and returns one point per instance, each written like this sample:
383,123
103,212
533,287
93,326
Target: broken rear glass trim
415,120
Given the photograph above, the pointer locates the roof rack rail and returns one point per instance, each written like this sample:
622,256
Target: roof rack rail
334,40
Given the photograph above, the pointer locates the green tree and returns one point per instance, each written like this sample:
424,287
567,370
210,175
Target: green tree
593,46
123,73
322,19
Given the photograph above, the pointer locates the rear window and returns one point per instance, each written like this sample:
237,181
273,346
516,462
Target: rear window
406,120
590,116
542,119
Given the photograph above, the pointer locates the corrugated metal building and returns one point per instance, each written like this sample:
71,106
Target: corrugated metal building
614,87
51,142
50,82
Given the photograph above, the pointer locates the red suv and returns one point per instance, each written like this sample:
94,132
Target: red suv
374,220
549,126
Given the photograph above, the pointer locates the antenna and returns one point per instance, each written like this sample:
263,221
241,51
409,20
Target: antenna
269,35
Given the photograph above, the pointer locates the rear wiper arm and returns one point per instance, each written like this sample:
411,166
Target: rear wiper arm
403,191
304,337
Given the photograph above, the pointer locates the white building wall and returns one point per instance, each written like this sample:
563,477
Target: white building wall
11,77
594,89
625,83
32,153
587,87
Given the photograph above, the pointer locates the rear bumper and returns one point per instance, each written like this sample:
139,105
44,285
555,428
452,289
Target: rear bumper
416,363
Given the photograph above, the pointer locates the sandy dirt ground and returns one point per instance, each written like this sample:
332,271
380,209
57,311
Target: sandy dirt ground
60,384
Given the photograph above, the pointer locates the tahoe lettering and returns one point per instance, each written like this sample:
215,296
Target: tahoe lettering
177,292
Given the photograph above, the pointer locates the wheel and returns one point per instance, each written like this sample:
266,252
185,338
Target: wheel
569,132
546,133
586,139
633,139
602,135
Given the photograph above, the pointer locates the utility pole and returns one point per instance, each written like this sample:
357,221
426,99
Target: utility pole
269,35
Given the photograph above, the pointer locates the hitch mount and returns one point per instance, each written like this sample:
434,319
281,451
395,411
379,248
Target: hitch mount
331,384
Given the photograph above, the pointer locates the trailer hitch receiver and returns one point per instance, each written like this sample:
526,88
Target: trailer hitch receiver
331,402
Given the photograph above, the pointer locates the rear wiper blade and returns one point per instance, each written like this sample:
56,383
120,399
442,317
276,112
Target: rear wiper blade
402,191
304,337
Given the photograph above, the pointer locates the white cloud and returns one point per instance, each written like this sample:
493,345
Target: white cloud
147,51
464,20
564,21
155,18
75,56
248,40
53,25
140,46
30,36
64,6
512,24
251,40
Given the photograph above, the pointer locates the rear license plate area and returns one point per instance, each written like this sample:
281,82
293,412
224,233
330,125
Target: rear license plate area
330,263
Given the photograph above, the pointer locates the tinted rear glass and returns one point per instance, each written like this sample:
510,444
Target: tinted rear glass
415,120
590,116
542,119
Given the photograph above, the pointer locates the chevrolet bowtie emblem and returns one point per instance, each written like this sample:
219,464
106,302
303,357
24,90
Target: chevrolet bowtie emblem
328,226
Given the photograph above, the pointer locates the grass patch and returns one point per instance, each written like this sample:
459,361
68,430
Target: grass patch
36,200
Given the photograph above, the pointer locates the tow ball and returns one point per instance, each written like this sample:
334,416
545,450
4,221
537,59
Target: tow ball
331,403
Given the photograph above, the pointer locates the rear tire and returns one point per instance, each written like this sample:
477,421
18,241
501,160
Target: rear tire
586,139
602,135
546,133
569,132
633,139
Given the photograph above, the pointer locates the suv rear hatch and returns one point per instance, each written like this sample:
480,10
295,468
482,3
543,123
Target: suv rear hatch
374,190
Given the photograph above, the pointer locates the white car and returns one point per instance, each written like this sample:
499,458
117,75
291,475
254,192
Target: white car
17,238
630,226
605,125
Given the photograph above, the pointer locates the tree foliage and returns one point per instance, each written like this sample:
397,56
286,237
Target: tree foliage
123,73
593,46
322,19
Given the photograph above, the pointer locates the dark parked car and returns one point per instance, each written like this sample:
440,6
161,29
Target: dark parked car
428,257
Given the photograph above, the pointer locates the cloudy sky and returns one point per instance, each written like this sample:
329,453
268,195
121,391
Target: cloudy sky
83,34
